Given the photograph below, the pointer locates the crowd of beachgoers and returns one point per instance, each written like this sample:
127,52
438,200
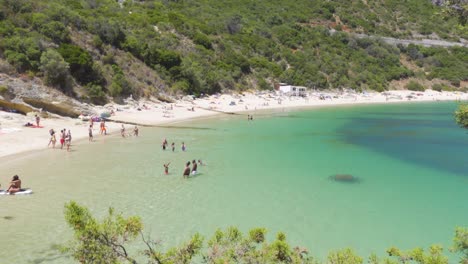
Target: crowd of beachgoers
20,133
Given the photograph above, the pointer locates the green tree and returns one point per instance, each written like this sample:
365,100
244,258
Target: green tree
461,117
55,69
81,63
96,94
100,241
460,241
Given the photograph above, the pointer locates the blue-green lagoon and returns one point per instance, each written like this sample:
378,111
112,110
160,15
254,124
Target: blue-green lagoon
410,161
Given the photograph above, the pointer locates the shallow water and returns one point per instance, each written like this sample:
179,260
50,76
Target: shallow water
410,162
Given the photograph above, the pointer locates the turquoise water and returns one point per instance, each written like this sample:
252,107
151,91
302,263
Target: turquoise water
410,161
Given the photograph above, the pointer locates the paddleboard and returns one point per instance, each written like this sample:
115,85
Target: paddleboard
23,191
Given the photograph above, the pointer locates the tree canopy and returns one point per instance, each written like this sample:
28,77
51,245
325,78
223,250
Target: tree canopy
210,46
107,240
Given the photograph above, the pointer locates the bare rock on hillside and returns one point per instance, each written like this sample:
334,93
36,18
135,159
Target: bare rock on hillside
34,95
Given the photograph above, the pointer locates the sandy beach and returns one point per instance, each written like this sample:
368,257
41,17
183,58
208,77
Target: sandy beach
16,138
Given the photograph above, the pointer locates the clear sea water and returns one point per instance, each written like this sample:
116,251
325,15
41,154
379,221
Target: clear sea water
410,162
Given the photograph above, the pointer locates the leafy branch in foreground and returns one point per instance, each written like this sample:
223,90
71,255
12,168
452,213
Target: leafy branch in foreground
106,241
461,115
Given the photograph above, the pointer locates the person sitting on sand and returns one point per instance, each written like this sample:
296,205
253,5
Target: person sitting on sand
194,167
15,185
166,168
187,170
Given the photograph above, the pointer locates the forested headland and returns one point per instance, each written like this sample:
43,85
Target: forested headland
97,49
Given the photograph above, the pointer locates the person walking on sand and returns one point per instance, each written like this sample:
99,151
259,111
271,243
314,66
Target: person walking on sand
194,167
90,133
135,131
62,137
187,170
173,146
68,140
38,120
53,139
51,132
103,127
69,135
166,168
183,147
122,131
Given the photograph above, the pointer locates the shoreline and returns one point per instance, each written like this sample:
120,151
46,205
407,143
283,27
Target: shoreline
16,139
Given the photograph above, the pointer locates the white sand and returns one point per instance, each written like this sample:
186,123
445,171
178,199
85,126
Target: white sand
16,138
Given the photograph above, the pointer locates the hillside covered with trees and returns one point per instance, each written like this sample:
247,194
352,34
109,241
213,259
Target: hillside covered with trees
97,49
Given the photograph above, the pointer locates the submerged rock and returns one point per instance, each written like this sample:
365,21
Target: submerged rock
344,178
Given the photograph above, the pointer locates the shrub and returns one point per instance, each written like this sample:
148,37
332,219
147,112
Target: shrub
415,86
202,39
461,115
96,94
55,69
437,87
3,89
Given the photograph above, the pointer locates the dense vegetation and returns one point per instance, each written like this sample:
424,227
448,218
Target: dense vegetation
107,241
461,115
94,48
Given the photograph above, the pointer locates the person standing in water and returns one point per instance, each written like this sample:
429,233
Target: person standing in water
135,131
102,127
187,170
173,146
164,144
166,168
183,147
194,167
122,131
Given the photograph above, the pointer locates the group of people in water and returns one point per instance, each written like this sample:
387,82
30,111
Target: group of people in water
65,138
187,171
165,145
15,185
